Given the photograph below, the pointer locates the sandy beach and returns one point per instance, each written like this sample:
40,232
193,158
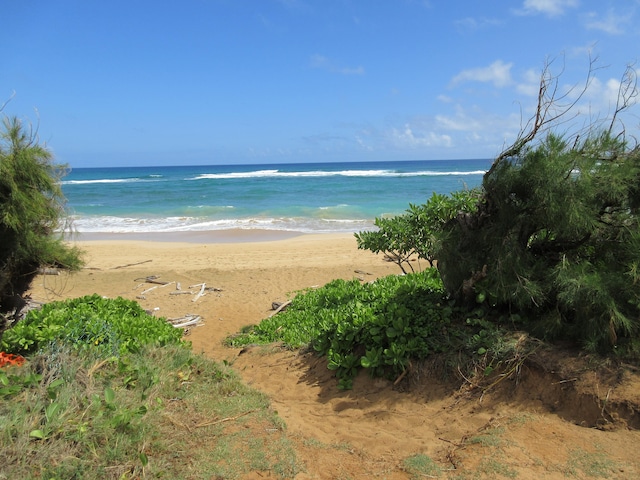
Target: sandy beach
366,432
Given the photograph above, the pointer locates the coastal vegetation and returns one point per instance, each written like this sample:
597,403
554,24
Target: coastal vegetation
547,249
32,215
548,246
116,393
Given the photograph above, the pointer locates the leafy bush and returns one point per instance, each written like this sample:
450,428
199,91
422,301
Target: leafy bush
380,326
111,326
402,237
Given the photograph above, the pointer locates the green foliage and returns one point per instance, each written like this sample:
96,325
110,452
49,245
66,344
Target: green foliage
31,213
11,383
77,415
380,326
108,326
556,237
412,234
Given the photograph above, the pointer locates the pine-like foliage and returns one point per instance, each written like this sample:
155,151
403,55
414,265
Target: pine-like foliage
557,237
31,214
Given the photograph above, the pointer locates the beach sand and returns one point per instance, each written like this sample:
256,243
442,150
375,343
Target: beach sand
367,432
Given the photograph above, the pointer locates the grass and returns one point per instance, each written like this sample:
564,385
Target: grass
420,466
589,464
162,412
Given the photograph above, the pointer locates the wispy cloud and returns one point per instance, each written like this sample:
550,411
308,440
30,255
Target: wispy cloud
611,23
472,24
406,137
552,8
530,85
498,73
324,63
460,122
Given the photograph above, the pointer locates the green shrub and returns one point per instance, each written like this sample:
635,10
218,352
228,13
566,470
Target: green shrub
413,234
380,326
111,326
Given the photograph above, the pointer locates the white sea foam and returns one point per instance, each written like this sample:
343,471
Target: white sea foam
329,173
103,180
110,224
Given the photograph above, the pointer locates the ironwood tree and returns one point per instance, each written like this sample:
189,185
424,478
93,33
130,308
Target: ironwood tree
32,215
554,240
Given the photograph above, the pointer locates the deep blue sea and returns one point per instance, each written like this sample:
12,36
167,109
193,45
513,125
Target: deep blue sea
308,198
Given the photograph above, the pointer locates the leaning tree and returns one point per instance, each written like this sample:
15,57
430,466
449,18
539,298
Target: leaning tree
555,237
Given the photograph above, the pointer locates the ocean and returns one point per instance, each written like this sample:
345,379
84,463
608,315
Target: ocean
303,198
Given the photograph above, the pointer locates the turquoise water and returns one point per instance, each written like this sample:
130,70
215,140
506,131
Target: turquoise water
315,197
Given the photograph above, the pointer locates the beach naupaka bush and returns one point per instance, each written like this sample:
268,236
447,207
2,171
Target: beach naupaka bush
109,326
380,326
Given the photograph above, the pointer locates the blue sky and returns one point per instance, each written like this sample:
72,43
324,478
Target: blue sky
268,81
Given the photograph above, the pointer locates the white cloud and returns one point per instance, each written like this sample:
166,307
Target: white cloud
611,23
362,144
498,73
473,24
602,96
530,86
324,63
407,138
552,8
459,122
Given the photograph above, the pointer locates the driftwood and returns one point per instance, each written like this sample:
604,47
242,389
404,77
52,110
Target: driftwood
200,293
158,285
131,264
362,272
193,321
153,279
148,290
281,307
187,320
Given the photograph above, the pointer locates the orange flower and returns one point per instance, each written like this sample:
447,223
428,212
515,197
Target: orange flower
7,359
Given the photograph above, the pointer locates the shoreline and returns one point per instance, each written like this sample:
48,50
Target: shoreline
236,235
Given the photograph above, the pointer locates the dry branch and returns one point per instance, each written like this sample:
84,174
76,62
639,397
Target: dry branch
228,419
281,307
131,264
